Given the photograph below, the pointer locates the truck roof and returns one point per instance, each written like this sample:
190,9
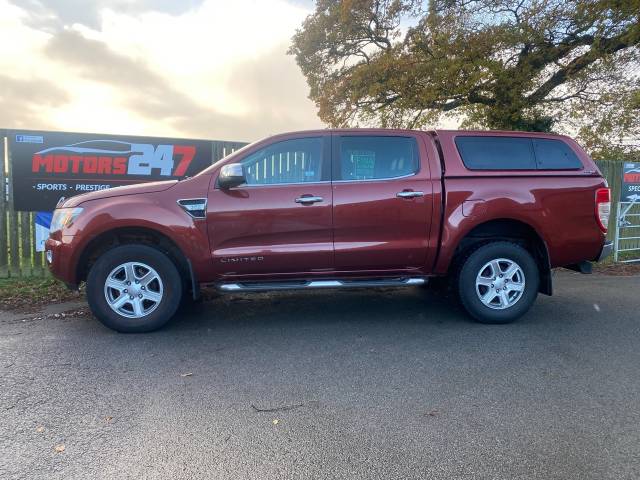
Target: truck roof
430,131
499,132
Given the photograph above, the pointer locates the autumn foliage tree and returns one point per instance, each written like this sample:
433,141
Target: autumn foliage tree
564,65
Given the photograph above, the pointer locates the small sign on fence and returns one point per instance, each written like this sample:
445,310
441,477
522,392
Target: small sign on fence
630,182
42,224
627,239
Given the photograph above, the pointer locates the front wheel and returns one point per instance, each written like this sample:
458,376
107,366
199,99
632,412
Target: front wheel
134,288
498,282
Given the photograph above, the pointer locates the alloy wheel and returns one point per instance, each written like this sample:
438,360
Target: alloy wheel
500,283
133,289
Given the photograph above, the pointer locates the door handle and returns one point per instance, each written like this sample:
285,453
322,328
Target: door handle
409,194
308,200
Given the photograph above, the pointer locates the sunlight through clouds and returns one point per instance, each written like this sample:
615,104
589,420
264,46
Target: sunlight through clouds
216,70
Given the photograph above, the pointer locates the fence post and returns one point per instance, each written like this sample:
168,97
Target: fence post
617,232
14,249
26,245
4,258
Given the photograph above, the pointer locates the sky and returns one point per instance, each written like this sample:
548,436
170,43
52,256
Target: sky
211,69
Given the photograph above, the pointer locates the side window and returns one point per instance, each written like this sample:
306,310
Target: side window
496,153
290,161
555,155
371,157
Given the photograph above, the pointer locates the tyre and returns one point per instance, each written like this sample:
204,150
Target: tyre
134,288
498,282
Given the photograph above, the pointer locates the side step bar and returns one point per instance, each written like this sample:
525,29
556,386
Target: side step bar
303,285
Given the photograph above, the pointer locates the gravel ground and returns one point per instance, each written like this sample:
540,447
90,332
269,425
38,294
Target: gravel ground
390,384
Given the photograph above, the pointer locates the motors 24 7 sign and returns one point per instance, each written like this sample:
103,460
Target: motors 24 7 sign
50,165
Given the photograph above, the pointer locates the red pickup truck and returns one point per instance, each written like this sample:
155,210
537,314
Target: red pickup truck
492,211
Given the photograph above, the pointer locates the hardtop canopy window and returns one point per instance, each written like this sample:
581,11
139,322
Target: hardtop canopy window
555,155
516,153
364,157
496,153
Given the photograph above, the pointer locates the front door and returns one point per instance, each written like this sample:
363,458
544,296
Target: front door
280,220
382,202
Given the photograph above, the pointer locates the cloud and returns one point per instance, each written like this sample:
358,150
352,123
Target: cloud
93,60
271,82
267,86
209,71
57,13
24,103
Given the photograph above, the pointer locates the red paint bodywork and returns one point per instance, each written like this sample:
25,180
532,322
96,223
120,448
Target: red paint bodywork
359,229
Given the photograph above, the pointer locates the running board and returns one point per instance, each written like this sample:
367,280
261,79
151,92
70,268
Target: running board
303,285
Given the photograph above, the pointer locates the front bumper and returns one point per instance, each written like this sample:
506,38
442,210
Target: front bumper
607,249
59,257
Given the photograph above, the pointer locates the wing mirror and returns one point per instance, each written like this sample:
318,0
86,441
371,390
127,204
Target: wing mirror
231,176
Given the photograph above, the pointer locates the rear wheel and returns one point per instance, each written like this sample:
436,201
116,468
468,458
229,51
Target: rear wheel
498,282
134,288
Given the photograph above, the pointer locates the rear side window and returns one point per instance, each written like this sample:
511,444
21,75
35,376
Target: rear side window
370,157
496,153
516,153
555,155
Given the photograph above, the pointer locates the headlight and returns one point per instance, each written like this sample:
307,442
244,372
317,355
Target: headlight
64,217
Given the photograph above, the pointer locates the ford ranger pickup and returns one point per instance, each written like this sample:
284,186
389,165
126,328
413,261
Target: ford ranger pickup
493,212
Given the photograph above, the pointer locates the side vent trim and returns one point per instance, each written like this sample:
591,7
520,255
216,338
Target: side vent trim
196,207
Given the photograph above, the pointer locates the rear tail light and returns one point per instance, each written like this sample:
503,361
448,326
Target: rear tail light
603,208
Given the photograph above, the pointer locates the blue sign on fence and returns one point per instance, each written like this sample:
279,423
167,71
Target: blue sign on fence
630,182
42,225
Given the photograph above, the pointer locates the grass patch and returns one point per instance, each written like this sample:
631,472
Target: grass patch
24,293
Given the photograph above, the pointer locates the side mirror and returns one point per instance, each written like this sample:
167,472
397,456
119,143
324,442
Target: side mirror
231,176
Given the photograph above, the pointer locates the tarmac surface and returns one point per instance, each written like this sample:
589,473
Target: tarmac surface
384,383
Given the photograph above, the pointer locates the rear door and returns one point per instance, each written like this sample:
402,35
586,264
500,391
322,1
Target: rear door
382,201
279,221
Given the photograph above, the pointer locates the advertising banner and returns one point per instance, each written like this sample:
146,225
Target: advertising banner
50,165
630,190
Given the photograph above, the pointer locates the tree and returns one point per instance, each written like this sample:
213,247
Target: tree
567,65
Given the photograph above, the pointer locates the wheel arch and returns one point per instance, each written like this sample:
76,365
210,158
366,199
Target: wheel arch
514,230
135,235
